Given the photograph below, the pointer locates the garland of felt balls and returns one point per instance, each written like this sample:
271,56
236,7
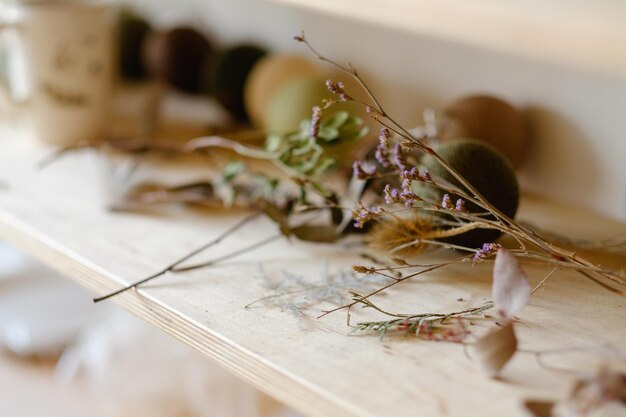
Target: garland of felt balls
273,92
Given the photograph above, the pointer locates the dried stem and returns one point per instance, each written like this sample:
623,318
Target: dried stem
523,235
394,282
172,267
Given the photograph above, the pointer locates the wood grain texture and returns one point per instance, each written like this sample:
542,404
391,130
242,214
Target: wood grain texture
59,216
578,34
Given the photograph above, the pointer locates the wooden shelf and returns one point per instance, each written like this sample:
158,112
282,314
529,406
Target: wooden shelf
579,34
58,215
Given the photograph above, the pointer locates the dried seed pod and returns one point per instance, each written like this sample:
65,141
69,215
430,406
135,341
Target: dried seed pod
396,236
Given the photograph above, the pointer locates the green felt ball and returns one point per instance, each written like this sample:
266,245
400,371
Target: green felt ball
487,170
293,102
228,76
132,31
178,57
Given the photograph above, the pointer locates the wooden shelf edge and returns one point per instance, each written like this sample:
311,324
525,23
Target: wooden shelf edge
587,36
280,385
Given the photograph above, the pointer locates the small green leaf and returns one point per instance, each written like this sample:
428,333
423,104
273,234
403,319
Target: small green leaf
337,120
231,170
273,143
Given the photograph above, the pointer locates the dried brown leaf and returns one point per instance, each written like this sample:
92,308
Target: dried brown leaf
602,394
494,349
510,289
535,408
400,261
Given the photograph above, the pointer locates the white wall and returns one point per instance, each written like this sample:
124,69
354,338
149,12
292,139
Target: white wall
578,119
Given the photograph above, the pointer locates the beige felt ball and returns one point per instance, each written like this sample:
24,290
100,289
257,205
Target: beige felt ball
267,76
491,120
294,102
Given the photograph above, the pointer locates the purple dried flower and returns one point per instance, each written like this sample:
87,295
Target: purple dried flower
359,172
411,174
487,250
335,87
460,205
398,158
407,194
392,195
446,202
315,121
362,214
374,114
384,135
406,186
425,176
382,153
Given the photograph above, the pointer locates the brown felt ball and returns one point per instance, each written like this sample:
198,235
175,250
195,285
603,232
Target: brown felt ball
487,170
178,57
228,76
488,119
132,31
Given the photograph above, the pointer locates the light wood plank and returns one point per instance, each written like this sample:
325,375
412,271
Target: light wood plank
59,216
579,34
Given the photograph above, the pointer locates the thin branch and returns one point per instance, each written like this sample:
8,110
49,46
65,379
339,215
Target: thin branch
231,255
395,282
171,267
544,280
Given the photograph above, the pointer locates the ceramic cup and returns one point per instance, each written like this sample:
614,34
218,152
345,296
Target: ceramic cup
67,69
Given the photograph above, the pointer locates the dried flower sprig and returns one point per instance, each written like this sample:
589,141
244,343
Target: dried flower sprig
430,326
302,155
530,243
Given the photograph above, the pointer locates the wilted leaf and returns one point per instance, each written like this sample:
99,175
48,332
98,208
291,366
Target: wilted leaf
495,349
539,408
319,234
152,193
597,395
510,287
275,214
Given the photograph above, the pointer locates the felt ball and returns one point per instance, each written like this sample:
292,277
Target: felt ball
489,119
178,57
132,31
487,170
293,103
267,76
229,74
